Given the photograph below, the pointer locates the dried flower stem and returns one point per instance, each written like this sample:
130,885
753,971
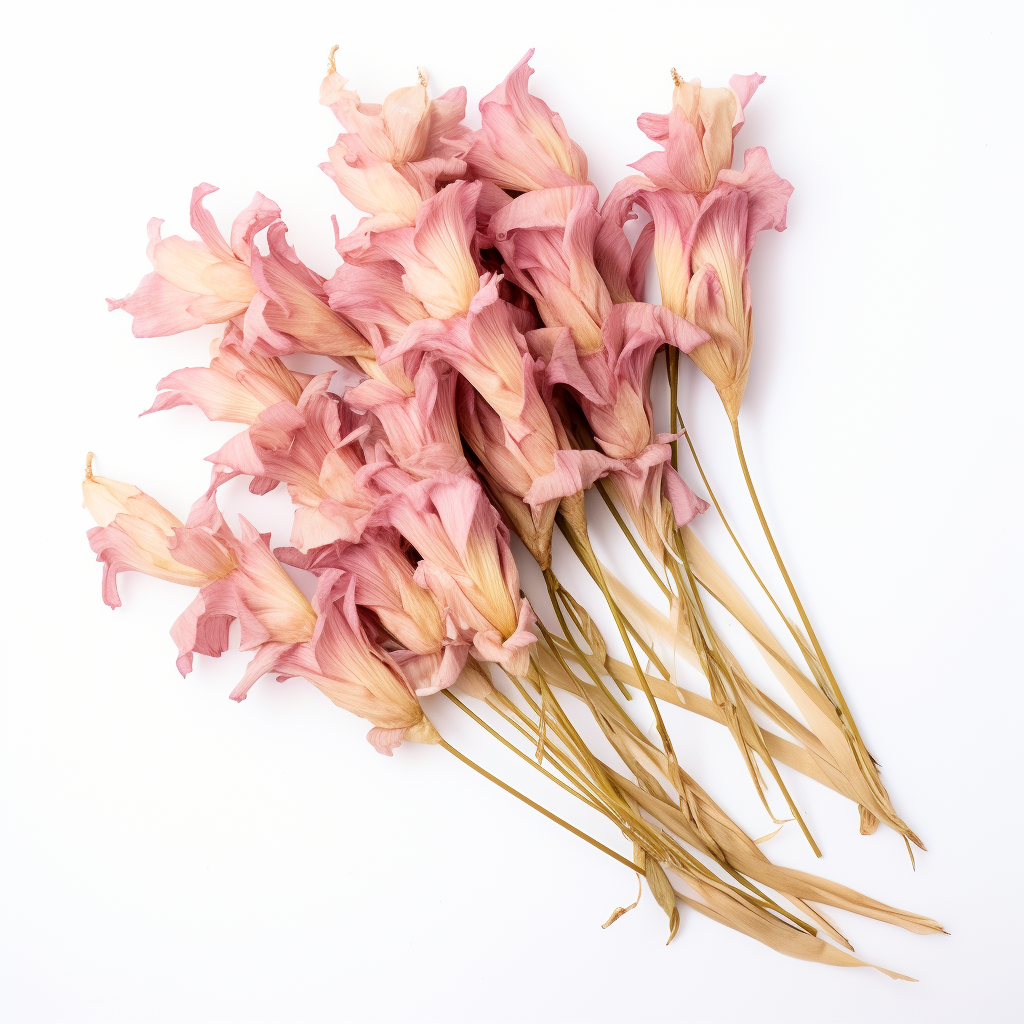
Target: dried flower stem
537,807
831,687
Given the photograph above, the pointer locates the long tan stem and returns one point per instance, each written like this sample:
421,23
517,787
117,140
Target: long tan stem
537,807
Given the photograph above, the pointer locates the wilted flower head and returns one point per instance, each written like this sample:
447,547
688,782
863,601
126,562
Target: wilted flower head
344,664
330,484
697,134
410,622
502,413
547,240
415,428
136,533
701,251
394,154
238,386
612,386
522,144
467,563
195,283
438,255
407,127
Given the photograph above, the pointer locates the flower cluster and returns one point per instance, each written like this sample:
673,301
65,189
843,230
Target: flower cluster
489,317
485,302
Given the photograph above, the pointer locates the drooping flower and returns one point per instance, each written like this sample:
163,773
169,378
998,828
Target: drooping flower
394,155
547,240
374,298
718,295
237,387
195,283
416,428
438,255
522,144
330,484
407,127
257,592
290,312
136,533
344,664
409,616
696,135
612,386
467,564
701,252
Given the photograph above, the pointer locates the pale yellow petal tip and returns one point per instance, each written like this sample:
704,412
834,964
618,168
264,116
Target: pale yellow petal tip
424,76
331,66
676,77
88,464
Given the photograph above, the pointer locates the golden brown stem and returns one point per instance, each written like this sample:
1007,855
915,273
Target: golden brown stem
537,807
836,695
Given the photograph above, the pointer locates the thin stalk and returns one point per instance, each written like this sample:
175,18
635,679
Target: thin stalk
729,529
554,593
837,695
537,807
559,759
766,758
659,722
603,491
672,364
515,750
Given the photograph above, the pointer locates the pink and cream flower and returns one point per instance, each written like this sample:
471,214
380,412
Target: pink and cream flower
195,283
612,387
393,155
135,533
438,255
467,564
696,135
701,252
522,144
341,661
503,414
547,240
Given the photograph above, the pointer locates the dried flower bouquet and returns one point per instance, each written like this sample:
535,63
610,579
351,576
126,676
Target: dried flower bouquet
495,357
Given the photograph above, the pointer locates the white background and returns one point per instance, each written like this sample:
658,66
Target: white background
168,855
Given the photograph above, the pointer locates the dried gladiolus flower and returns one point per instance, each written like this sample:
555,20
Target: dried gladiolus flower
324,469
502,414
374,298
612,387
136,533
416,429
467,564
697,134
356,674
701,252
547,240
407,127
237,386
395,153
438,254
721,242
384,582
290,311
522,144
195,283
257,592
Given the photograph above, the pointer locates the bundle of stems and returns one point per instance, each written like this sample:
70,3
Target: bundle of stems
678,832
